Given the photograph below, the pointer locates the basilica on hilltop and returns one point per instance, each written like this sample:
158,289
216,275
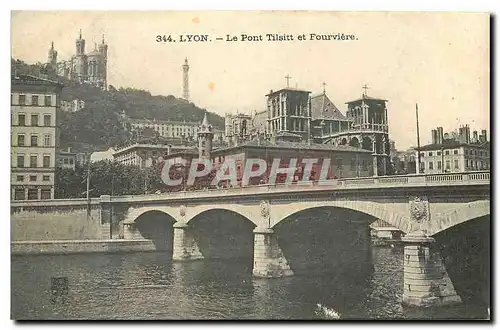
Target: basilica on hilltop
89,68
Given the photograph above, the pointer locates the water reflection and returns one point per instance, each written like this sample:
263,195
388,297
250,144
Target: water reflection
150,286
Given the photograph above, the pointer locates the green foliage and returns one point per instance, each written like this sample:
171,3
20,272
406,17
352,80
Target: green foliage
99,125
107,178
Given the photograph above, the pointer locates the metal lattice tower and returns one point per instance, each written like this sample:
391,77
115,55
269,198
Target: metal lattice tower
185,80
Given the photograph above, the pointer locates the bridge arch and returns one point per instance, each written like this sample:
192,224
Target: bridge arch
134,214
383,212
241,210
461,214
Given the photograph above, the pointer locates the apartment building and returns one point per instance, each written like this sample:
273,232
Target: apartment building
34,136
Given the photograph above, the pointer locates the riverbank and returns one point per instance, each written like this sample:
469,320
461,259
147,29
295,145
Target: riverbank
80,246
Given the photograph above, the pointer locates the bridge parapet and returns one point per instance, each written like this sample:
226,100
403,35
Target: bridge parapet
414,180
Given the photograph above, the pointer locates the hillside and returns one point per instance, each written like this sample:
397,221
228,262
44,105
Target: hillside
98,125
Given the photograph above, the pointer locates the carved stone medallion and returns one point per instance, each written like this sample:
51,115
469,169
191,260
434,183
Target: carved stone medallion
419,209
264,209
182,210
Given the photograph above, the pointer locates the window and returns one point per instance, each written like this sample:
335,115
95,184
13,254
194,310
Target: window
422,166
447,152
20,178
476,165
34,120
32,178
339,163
430,153
19,194
46,178
422,154
431,166
48,101
34,100
365,165
46,194
33,161
456,163
65,160
439,165
455,152
447,164
46,140
20,160
20,140
21,120
46,120
439,153
481,164
34,141
466,152
22,99
32,194
353,164
467,163
71,161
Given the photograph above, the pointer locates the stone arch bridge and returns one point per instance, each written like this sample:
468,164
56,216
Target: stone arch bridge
421,206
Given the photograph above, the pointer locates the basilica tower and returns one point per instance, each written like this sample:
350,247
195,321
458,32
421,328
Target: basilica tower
52,59
80,64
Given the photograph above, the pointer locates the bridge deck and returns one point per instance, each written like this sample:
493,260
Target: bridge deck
400,181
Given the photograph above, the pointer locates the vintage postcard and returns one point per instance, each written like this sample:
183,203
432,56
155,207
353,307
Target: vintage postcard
250,165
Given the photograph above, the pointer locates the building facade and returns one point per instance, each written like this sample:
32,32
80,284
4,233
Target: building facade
89,68
66,159
238,128
34,136
454,157
144,155
172,129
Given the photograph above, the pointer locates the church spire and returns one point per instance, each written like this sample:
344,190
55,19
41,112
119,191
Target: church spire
80,34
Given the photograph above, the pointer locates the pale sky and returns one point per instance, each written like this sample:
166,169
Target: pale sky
440,60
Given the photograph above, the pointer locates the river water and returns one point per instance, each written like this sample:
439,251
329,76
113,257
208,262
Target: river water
142,286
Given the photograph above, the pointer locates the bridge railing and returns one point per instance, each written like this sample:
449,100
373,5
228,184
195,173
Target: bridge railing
466,178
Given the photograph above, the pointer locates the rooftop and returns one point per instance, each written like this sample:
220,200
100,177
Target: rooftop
288,89
147,146
27,79
323,108
453,145
366,97
265,144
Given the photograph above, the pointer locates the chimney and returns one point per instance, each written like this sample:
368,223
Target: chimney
434,134
440,135
483,133
475,139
